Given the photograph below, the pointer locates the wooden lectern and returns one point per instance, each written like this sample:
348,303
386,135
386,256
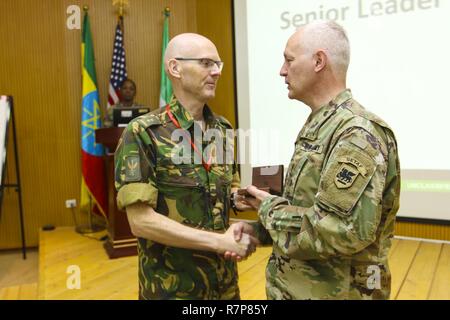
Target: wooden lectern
121,242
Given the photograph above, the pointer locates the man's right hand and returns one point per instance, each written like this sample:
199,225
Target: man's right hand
241,231
238,241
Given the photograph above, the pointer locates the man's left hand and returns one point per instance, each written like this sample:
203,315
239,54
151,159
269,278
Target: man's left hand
259,196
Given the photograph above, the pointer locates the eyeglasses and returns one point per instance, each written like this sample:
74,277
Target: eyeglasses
205,62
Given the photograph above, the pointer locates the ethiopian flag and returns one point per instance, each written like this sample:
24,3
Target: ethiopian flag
93,184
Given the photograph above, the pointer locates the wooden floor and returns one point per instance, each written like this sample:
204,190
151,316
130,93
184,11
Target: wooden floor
18,277
14,270
420,270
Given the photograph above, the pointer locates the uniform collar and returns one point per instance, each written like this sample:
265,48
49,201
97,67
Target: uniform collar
321,115
183,116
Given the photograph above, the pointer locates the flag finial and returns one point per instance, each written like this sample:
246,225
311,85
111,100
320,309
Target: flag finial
85,8
167,11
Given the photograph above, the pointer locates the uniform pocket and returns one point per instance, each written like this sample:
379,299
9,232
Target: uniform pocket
182,195
293,179
183,175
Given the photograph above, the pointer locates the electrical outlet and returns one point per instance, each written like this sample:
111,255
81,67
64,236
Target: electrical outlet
71,203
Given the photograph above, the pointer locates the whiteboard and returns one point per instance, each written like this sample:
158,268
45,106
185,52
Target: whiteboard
399,70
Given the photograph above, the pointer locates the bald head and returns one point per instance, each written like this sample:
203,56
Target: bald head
192,63
188,45
329,37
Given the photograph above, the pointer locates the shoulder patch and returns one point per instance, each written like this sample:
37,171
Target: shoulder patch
132,169
345,177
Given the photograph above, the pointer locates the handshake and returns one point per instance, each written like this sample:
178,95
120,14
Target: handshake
240,241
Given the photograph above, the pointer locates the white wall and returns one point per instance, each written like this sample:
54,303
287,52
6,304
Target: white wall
399,70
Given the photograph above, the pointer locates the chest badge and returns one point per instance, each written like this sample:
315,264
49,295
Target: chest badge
345,176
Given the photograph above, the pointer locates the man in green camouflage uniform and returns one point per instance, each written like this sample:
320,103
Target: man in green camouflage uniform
176,205
332,228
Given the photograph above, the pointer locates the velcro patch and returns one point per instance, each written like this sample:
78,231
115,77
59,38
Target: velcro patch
359,142
308,147
355,162
345,176
132,169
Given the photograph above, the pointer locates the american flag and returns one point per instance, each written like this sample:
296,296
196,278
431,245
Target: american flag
118,67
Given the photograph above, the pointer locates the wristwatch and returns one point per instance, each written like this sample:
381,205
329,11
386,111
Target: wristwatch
233,203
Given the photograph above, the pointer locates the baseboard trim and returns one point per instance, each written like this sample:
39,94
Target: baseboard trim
424,221
421,239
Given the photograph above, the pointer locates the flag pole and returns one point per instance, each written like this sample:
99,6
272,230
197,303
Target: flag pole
90,227
165,93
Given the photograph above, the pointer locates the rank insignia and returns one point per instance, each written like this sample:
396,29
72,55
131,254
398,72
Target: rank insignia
132,169
345,176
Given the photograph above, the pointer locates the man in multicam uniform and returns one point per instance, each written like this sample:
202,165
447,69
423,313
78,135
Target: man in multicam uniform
178,209
332,228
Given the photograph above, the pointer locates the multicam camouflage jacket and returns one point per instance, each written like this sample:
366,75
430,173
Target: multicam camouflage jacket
332,227
148,169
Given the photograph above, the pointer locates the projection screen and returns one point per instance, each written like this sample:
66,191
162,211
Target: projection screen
399,70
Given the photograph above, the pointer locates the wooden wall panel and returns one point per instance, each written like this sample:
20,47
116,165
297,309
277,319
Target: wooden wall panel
214,20
425,231
32,68
40,67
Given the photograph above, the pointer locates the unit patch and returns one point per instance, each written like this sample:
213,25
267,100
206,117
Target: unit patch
132,169
345,176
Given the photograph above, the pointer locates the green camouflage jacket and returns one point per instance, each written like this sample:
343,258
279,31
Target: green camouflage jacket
145,171
332,228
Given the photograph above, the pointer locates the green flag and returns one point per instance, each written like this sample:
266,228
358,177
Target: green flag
166,86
